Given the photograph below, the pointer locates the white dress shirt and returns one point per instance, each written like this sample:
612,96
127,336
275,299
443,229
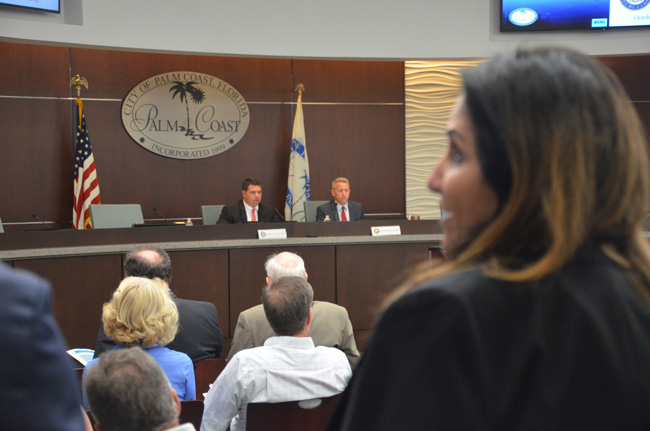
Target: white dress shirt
284,369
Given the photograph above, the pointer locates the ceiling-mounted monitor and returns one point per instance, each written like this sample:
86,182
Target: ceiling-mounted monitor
39,5
553,15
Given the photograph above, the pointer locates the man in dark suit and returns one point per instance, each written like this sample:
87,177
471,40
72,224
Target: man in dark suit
340,208
199,335
249,209
37,385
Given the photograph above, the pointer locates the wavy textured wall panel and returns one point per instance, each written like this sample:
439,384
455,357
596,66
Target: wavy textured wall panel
431,89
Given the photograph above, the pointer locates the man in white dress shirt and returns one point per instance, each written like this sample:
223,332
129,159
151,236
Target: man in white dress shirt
288,367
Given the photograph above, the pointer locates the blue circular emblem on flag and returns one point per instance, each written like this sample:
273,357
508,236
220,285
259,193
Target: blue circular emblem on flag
523,16
635,4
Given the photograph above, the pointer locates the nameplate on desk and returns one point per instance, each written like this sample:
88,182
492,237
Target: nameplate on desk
385,230
272,233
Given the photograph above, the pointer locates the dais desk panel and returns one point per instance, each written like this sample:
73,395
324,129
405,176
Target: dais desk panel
223,264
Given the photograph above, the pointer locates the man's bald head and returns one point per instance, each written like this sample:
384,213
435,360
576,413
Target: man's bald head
284,264
148,262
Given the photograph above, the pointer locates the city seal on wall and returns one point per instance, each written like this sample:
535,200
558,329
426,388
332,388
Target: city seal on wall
185,115
635,4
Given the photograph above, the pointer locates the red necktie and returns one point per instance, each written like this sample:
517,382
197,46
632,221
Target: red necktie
253,215
343,217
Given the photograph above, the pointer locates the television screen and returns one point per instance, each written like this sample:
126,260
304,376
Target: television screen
44,5
549,15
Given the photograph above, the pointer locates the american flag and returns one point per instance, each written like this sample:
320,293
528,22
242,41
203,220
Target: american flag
86,187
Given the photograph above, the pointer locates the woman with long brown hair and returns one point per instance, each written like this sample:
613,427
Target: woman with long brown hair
541,317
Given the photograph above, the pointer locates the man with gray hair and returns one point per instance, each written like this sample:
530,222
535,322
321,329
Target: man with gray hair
340,208
288,367
330,327
128,391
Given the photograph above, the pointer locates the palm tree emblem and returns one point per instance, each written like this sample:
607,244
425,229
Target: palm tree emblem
196,94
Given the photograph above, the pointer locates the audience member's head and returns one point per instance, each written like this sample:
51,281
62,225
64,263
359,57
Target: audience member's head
560,147
141,312
128,391
148,262
284,264
287,304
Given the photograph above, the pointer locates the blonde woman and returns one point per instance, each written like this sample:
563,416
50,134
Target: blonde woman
141,313
541,318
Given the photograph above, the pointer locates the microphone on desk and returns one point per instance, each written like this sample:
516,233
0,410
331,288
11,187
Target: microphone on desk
278,213
156,210
35,217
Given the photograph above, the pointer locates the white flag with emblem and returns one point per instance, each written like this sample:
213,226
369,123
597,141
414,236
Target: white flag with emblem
298,182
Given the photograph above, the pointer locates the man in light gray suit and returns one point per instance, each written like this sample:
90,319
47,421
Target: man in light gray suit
330,326
340,208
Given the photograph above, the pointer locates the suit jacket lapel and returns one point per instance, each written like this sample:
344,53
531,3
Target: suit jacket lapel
334,210
242,212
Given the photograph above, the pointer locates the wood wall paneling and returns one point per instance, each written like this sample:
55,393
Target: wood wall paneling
643,108
34,70
633,71
367,274
112,74
363,143
36,140
350,81
247,275
81,285
36,164
203,276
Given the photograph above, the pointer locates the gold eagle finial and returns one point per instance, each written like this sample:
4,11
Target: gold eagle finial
78,81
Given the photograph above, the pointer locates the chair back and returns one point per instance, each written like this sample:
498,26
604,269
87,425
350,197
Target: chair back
310,415
105,216
211,213
310,209
191,411
206,372
2,229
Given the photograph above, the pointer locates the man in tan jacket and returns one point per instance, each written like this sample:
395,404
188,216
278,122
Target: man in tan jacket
330,327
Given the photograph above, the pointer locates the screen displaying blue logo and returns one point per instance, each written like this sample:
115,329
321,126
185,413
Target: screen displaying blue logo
523,16
635,4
